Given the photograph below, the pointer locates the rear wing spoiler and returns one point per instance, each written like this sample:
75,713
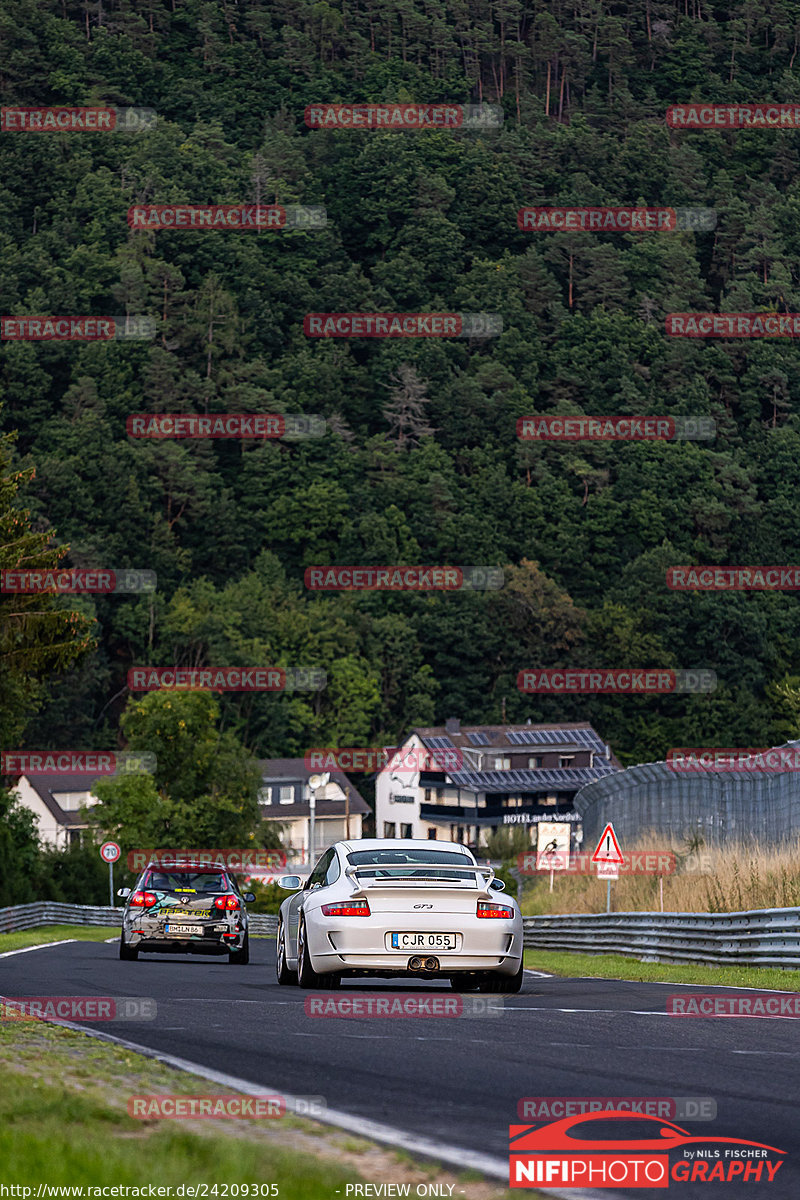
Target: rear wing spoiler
361,876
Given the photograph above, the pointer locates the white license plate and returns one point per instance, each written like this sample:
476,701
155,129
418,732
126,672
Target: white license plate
423,941
183,929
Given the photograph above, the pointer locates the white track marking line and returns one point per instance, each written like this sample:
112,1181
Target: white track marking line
730,987
43,946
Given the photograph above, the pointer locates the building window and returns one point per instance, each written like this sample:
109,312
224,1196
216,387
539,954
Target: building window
389,829
74,837
566,760
502,764
265,795
405,831
427,795
431,835
287,795
548,800
535,762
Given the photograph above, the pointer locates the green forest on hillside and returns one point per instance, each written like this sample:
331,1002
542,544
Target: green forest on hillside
421,463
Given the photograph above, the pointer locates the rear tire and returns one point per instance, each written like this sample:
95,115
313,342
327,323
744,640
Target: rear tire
240,958
307,977
506,984
125,952
286,976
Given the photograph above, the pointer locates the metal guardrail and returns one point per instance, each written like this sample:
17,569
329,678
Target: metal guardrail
766,937
50,912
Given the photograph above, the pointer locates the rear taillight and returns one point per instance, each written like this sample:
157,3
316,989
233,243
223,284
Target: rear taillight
347,908
226,902
143,900
485,909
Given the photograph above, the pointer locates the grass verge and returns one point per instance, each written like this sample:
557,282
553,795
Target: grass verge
64,1122
56,933
619,966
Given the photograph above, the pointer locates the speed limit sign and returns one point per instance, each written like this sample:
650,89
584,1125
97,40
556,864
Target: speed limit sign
110,852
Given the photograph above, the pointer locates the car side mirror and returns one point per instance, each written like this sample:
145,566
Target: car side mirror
123,893
497,885
249,897
290,883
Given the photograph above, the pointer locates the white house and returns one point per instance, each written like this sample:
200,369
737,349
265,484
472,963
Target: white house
55,801
488,776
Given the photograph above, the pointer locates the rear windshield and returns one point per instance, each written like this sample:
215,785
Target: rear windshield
188,882
411,863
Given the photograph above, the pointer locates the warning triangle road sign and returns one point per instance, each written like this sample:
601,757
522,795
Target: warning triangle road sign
608,850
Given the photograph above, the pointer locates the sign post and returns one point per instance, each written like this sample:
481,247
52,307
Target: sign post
609,858
315,782
110,852
552,847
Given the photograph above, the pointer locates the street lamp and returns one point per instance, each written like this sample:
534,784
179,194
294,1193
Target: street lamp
314,783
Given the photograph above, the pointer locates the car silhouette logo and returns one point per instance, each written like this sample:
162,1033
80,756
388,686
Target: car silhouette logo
657,1134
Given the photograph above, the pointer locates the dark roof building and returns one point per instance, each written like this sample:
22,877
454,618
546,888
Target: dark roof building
489,776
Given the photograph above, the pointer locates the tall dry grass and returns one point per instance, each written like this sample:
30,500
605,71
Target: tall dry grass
706,879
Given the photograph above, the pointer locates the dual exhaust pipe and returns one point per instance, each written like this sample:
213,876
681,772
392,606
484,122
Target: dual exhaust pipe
423,964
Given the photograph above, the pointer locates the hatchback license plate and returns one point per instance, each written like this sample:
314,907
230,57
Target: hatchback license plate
185,929
424,941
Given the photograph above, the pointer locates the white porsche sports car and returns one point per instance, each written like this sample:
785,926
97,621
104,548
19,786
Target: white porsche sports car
385,907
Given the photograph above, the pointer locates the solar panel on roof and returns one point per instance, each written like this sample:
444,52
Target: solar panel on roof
553,737
440,743
478,739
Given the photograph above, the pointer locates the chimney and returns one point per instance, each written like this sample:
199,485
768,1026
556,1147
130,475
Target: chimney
452,725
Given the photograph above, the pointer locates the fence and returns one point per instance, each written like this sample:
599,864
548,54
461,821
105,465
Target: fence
767,937
48,912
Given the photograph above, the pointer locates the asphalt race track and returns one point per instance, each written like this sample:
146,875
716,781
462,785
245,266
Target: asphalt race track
454,1080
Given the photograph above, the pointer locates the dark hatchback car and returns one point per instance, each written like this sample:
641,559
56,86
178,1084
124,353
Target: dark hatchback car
188,910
